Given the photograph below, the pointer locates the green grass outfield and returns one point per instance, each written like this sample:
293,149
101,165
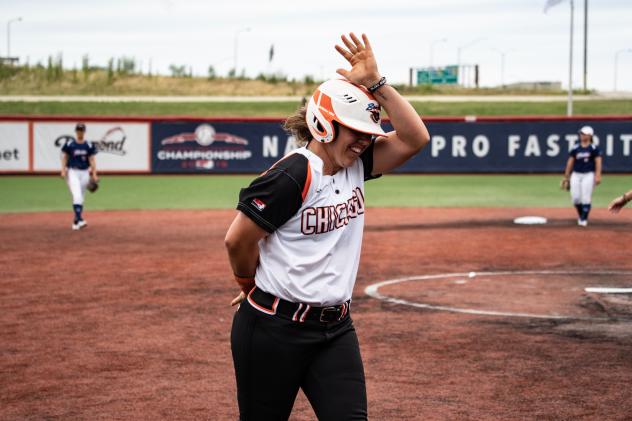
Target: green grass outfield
49,193
283,109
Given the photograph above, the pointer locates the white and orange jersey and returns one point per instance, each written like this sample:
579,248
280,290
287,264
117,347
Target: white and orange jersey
315,224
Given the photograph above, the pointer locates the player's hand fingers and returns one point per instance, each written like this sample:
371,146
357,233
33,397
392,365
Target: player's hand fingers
349,44
357,42
367,44
238,299
346,54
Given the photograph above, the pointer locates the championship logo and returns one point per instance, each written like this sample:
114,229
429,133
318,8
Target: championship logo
204,135
204,149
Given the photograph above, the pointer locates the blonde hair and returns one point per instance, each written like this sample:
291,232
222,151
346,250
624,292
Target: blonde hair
296,125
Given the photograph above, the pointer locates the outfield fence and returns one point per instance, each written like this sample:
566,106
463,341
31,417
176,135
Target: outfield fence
174,145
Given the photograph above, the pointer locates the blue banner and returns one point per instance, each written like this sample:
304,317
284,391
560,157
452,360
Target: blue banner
522,146
217,146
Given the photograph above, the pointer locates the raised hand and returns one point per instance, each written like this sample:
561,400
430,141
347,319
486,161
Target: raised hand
360,55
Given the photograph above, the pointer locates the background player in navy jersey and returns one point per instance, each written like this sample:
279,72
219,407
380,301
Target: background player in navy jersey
78,164
294,246
583,169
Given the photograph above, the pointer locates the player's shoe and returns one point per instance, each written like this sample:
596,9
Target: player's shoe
582,222
76,226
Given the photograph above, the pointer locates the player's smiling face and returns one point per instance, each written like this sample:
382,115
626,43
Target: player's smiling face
347,147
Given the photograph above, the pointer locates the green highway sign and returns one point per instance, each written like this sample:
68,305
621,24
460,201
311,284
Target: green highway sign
448,75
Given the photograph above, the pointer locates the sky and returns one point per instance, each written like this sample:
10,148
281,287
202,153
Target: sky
404,34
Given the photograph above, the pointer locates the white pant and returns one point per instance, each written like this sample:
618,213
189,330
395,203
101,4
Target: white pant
77,182
582,185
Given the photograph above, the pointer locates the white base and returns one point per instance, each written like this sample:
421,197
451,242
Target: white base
530,220
605,290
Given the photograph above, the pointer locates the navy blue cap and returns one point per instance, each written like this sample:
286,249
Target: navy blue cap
80,127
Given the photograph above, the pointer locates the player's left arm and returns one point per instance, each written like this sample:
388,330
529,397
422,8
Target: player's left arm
408,138
93,168
598,162
410,134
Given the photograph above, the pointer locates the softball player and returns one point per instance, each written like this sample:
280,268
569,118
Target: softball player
77,163
294,246
585,163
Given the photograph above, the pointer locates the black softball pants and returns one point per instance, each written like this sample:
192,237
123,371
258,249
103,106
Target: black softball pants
275,356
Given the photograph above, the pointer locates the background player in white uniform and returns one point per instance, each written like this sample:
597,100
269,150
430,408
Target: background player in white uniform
78,164
584,170
297,237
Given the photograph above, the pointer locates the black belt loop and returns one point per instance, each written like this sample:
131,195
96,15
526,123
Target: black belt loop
297,312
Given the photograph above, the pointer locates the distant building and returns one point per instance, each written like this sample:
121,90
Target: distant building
9,61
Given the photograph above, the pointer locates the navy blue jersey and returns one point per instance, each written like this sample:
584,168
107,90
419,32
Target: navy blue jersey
584,157
78,154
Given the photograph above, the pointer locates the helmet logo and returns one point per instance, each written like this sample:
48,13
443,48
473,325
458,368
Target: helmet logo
375,112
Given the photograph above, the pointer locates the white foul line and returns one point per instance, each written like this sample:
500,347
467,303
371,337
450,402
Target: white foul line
373,291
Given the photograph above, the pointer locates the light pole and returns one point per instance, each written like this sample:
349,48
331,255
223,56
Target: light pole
432,44
9,34
569,104
616,64
458,54
503,55
585,45
239,31
547,6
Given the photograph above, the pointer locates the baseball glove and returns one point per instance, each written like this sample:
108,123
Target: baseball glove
565,184
93,185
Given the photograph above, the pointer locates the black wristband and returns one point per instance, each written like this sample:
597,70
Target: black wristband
378,85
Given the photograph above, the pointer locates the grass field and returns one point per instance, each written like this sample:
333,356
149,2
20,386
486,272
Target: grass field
283,109
49,193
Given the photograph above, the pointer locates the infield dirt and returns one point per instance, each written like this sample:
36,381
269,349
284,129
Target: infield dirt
130,318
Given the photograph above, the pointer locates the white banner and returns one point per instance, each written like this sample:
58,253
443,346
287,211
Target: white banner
120,146
14,146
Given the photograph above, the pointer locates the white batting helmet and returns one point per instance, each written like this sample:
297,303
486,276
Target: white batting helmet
348,104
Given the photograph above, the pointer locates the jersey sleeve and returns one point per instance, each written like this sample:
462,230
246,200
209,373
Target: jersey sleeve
367,162
277,195
596,152
92,150
66,148
573,151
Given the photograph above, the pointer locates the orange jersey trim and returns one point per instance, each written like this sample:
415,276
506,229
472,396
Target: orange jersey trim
308,181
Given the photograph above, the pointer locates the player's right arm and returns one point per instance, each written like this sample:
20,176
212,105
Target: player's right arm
264,206
241,243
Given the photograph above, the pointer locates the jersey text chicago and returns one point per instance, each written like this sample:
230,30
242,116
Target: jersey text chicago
328,218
